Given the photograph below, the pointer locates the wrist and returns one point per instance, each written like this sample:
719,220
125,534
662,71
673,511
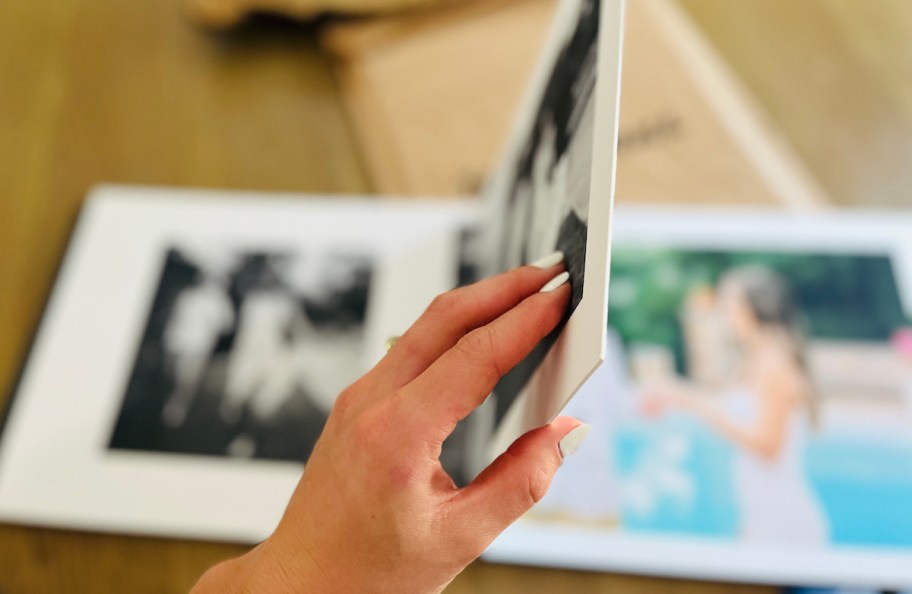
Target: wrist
280,566
228,577
264,569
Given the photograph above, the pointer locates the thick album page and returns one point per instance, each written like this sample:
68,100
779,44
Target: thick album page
193,346
554,191
753,419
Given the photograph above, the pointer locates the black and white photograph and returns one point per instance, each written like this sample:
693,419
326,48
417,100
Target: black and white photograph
547,208
244,353
548,202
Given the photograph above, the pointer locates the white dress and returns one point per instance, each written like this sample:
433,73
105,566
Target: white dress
777,503
261,368
200,315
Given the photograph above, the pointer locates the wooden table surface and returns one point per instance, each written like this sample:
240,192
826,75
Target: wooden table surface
107,90
835,77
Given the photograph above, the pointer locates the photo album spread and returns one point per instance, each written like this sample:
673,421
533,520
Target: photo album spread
749,380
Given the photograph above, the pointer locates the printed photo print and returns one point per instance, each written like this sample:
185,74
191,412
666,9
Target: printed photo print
759,397
547,208
244,353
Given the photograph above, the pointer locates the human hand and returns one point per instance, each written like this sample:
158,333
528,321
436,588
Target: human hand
374,510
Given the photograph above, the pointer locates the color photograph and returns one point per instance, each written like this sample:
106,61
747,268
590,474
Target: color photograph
757,397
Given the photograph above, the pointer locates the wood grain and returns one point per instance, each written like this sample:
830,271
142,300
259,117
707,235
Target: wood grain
836,77
38,561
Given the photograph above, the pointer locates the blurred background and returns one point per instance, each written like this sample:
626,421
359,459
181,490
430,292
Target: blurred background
757,102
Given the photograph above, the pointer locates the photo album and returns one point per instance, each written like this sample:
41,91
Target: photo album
748,378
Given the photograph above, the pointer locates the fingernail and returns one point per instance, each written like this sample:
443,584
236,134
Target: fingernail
549,261
571,442
555,283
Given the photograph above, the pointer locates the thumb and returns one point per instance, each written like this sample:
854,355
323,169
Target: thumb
520,477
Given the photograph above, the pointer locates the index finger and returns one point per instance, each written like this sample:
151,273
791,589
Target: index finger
456,313
460,380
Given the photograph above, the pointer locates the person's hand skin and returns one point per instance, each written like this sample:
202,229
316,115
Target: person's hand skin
374,510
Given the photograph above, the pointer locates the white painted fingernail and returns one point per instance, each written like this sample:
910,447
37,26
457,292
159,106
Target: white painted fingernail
571,442
549,261
555,283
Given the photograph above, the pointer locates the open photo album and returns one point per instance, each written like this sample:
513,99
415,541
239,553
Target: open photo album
753,418
195,341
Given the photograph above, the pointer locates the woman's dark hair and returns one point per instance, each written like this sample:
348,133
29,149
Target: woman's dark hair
772,301
769,295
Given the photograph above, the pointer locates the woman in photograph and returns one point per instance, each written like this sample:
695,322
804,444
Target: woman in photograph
261,366
765,412
202,312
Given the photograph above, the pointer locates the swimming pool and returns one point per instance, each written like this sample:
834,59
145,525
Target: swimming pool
675,477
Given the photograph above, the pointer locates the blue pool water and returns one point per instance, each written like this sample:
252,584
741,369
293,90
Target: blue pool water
676,476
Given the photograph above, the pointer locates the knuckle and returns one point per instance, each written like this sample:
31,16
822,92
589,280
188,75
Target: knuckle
478,346
445,303
538,483
518,279
345,402
544,317
410,349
